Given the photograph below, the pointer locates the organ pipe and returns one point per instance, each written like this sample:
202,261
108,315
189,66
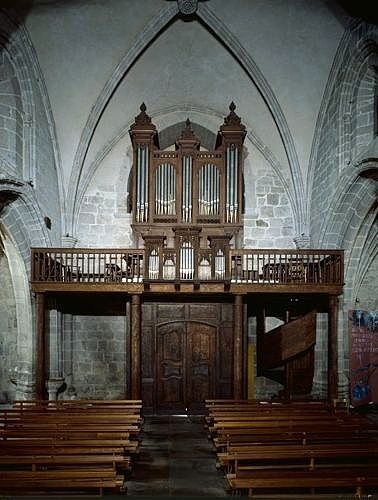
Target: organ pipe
142,175
236,200
186,260
154,265
232,172
187,189
165,190
209,183
146,177
138,185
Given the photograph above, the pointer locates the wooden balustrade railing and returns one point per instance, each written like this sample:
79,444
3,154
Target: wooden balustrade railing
287,266
87,265
237,266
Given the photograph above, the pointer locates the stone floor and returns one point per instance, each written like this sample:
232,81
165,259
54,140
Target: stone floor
175,459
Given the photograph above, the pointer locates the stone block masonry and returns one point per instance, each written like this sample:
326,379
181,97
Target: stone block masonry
268,221
99,357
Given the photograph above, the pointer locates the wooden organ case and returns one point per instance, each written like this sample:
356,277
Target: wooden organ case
187,200
187,211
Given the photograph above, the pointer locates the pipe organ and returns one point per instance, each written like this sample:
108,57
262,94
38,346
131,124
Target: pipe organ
189,189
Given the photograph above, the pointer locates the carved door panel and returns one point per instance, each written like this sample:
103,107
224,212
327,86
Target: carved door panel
186,360
185,365
199,364
170,366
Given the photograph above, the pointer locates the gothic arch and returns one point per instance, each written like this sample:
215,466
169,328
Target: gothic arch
353,198
15,39
153,29
22,213
169,114
356,110
357,52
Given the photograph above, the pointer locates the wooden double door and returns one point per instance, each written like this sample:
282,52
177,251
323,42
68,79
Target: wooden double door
186,356
185,365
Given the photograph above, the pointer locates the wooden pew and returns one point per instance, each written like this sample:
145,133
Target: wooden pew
285,447
69,479
352,478
309,455
51,461
81,446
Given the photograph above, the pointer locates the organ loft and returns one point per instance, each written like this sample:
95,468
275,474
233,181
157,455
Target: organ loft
188,289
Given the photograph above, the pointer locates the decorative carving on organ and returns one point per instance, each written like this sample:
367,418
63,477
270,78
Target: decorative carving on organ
187,187
145,139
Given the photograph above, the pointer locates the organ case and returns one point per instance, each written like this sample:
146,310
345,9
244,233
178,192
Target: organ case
188,186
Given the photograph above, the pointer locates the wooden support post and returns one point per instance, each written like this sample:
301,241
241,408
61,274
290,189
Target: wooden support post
41,347
135,346
332,347
238,347
260,331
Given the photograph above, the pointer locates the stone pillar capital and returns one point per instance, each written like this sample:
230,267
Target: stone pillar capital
53,385
69,241
302,241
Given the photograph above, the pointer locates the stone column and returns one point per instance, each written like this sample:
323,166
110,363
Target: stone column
135,391
56,378
332,347
41,347
238,347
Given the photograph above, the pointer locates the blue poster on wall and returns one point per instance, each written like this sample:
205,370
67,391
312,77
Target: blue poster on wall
363,361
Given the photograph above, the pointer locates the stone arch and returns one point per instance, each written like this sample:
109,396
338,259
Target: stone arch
16,50
353,199
151,31
23,372
21,227
21,215
34,105
174,120
367,248
331,152
11,115
357,102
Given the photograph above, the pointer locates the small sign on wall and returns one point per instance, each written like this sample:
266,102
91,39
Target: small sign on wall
363,347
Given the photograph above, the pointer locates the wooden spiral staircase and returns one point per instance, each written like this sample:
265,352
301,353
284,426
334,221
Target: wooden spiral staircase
286,354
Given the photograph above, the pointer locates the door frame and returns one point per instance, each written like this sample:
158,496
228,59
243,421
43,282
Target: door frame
213,365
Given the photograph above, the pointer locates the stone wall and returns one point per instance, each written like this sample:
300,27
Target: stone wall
46,175
103,219
99,353
8,331
367,293
268,220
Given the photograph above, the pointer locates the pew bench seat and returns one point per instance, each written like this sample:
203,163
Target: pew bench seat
51,461
324,479
75,481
